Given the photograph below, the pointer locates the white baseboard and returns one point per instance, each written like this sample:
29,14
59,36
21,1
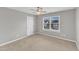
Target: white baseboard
5,43
58,37
77,44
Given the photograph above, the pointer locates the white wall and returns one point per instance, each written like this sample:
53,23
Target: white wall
77,26
12,24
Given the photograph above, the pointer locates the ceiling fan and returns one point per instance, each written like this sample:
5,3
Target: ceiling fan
38,11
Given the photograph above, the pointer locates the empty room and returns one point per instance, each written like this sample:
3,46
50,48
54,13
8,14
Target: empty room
39,29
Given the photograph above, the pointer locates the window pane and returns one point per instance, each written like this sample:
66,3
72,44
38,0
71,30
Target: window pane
55,17
55,27
55,23
46,26
46,23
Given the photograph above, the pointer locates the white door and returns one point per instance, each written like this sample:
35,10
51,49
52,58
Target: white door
30,25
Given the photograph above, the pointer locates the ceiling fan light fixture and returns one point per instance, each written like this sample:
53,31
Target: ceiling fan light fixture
39,13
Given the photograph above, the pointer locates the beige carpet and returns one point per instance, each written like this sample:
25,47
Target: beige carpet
40,43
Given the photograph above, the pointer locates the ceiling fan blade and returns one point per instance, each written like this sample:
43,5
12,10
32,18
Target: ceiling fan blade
33,10
43,11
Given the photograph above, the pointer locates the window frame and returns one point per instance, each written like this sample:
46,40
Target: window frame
50,24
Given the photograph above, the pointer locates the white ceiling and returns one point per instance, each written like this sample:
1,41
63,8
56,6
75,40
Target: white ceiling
47,9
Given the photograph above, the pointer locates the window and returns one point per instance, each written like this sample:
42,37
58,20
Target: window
51,23
46,23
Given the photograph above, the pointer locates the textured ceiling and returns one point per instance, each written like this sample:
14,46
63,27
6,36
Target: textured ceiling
31,10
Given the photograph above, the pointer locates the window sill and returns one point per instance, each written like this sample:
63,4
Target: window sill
51,30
